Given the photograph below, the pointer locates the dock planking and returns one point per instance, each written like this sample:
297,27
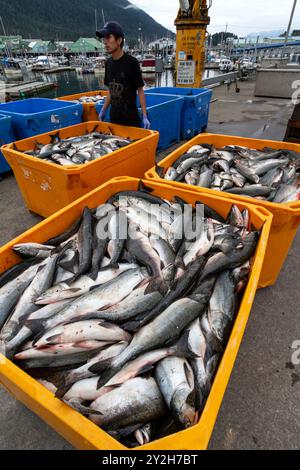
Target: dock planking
24,90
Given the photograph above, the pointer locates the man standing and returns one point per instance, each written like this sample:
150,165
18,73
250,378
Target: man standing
124,79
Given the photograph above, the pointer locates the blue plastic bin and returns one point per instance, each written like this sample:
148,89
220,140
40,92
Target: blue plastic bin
164,114
195,111
6,137
36,116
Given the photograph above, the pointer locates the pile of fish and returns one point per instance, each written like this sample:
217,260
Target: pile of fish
268,174
129,330
90,99
77,150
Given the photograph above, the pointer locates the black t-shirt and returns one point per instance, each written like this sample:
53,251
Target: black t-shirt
123,77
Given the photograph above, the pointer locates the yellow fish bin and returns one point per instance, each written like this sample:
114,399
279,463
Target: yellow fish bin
47,186
286,217
89,109
80,431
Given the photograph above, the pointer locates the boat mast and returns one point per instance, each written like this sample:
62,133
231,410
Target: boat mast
8,52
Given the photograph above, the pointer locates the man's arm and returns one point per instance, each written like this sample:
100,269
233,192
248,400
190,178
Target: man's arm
105,107
142,98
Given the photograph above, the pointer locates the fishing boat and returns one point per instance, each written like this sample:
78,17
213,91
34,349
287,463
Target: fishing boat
14,68
226,65
44,62
148,63
99,65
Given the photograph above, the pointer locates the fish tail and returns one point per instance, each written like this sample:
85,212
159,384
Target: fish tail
63,389
10,352
132,326
37,328
182,348
93,274
144,188
112,265
78,406
157,284
160,171
100,366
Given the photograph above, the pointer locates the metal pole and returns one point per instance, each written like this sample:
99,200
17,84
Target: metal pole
289,27
8,52
257,40
96,23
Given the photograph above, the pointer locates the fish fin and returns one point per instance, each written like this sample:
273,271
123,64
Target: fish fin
36,326
124,432
106,376
157,284
106,324
95,128
179,263
208,354
85,410
113,265
39,335
131,326
143,283
53,137
70,290
110,266
62,250
144,369
100,367
144,188
93,274
182,348
23,319
63,389
100,384
175,284
10,353
40,269
93,287
208,147
73,289
180,201
68,265
50,339
160,171
76,319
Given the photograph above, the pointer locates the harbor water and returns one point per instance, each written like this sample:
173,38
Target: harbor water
71,82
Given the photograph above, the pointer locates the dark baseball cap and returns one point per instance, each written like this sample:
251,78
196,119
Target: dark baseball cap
111,27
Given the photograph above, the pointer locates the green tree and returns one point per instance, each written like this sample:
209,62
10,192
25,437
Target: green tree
217,38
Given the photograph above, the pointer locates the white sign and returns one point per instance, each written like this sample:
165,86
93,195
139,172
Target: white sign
181,55
186,72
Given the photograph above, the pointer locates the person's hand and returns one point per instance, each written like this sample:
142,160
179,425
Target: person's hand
146,122
102,115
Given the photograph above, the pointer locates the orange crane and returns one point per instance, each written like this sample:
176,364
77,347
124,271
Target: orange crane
191,24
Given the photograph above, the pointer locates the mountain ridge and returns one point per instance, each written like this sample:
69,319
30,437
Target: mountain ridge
70,19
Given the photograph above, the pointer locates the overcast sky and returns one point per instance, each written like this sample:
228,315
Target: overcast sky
243,16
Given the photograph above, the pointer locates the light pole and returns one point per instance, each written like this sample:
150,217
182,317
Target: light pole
289,27
141,42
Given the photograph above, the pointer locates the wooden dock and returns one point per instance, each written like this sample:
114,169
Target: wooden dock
24,90
212,66
59,69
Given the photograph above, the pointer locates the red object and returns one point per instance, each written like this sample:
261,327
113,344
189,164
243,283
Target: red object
148,63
